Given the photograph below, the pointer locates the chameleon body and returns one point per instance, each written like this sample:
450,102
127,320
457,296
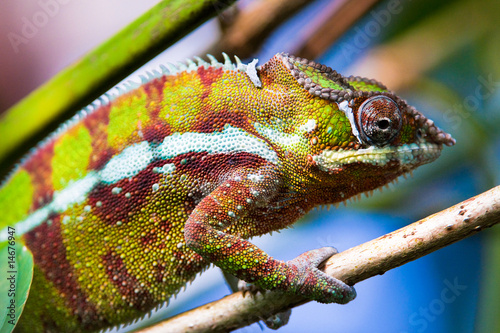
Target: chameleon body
141,191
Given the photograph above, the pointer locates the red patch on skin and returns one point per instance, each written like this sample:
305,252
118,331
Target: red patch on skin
271,70
152,236
267,80
207,77
99,160
191,201
157,131
97,123
117,205
39,166
49,254
127,284
201,165
154,88
215,120
185,269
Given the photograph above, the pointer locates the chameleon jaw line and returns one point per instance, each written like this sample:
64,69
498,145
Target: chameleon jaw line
410,155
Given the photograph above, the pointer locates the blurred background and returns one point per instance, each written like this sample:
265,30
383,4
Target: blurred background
443,57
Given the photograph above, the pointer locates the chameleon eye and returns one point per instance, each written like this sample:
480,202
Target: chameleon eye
379,119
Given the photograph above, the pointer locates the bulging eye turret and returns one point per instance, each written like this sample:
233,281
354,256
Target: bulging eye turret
379,120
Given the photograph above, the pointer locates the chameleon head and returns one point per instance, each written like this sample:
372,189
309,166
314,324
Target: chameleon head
364,134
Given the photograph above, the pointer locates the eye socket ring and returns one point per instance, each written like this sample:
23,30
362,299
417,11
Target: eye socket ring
379,120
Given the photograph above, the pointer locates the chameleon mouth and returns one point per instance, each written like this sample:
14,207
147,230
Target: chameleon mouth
409,156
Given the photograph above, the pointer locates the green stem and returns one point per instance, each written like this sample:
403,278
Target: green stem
100,70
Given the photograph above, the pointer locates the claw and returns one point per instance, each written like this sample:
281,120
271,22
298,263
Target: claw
312,283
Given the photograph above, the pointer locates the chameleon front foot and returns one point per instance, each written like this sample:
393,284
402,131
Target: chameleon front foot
312,283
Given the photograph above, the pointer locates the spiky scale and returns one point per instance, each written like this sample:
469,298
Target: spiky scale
135,196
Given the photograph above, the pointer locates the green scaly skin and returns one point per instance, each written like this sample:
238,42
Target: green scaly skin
129,201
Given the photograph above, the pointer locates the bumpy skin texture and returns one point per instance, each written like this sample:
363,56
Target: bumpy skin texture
137,195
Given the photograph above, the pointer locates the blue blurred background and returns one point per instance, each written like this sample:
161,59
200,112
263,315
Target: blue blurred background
442,57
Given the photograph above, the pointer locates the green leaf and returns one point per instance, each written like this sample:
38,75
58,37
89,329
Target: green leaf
16,272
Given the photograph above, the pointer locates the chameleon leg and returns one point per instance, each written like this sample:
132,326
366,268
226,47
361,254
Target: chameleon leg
207,232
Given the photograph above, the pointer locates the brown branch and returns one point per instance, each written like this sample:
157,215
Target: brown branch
338,22
353,265
250,27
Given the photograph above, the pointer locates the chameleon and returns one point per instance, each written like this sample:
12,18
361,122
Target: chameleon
154,182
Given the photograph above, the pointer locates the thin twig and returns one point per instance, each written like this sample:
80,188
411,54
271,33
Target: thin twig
353,265
337,23
251,26
244,35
